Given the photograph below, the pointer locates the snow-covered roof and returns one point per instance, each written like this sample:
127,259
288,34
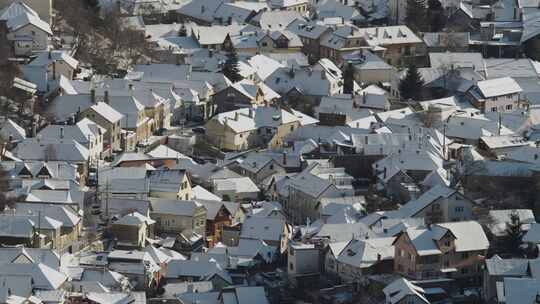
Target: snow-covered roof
48,57
401,288
365,253
9,128
268,229
24,19
248,119
412,207
174,207
498,87
15,9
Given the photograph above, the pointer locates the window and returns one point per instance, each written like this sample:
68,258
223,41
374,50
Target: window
447,243
291,266
509,107
292,128
436,207
494,109
459,209
265,44
272,167
464,255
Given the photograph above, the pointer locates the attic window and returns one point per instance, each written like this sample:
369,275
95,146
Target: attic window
350,252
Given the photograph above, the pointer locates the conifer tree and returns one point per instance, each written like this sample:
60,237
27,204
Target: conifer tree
410,87
348,79
230,68
416,18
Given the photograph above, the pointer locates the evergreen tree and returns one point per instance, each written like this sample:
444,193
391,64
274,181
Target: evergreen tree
436,16
230,68
410,87
514,234
416,18
348,79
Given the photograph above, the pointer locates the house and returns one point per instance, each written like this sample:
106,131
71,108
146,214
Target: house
170,184
273,231
400,44
195,271
303,262
310,34
498,269
244,295
299,6
361,257
200,12
43,8
499,146
496,95
57,63
16,229
28,32
439,204
455,250
176,216
138,266
132,230
71,228
302,193
85,132
244,94
64,107
252,127
123,183
218,216
403,291
322,79
35,149
236,189
258,166
35,276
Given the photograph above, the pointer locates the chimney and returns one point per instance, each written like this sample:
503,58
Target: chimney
106,97
34,129
130,88
50,54
323,74
61,132
364,97
93,95
284,158
236,116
